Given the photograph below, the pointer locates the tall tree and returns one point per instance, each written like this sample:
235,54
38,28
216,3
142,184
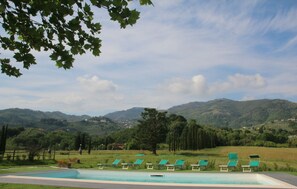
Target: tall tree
65,28
176,125
90,145
77,141
3,139
152,129
32,140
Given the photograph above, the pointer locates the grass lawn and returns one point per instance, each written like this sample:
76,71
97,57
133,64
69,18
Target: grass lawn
272,159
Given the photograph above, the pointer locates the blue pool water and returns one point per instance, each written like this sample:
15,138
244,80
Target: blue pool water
150,177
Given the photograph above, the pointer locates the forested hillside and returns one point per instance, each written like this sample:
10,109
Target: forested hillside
17,116
52,121
219,113
235,114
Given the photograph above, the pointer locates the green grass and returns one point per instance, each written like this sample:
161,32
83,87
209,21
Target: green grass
272,159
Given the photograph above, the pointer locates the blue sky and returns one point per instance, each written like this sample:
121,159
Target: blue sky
178,52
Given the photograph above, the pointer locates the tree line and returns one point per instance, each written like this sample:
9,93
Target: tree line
156,130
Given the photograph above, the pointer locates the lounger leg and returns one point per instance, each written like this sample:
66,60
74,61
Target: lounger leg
170,168
195,168
246,170
224,169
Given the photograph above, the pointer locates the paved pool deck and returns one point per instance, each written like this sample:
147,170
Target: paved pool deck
290,179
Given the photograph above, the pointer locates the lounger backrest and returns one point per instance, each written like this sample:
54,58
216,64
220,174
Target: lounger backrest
138,162
254,160
163,162
233,156
203,163
254,163
180,162
232,163
116,162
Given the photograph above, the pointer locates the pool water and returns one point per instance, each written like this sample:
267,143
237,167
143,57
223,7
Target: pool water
151,177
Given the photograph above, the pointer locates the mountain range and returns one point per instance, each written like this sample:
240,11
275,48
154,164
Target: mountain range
235,114
224,112
218,113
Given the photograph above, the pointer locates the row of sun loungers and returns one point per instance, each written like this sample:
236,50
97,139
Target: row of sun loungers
254,163
180,164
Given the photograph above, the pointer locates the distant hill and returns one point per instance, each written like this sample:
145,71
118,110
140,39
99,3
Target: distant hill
17,116
218,113
126,118
229,113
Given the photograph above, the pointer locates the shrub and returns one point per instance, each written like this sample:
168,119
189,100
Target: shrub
275,166
264,167
8,157
17,157
64,163
211,164
74,160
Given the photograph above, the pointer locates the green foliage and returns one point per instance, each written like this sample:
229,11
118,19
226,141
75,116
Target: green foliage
236,114
152,129
65,28
195,137
16,116
3,139
55,121
32,140
176,127
292,141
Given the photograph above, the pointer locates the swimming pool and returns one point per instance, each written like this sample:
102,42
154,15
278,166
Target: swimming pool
164,178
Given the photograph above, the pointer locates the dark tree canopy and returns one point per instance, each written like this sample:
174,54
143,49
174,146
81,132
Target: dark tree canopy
152,129
64,27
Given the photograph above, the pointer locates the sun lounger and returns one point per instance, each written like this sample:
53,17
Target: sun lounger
232,163
163,163
178,164
253,164
137,163
115,163
202,164
149,165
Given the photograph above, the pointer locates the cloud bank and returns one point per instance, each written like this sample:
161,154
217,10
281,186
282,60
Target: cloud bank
179,51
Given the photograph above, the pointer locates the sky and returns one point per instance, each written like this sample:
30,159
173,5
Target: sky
178,52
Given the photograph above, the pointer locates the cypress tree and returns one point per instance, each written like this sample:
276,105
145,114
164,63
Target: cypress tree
3,139
77,141
90,146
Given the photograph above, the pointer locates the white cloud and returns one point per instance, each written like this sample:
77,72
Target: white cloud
155,63
178,86
198,85
95,84
240,80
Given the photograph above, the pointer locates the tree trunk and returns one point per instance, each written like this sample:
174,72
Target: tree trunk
154,151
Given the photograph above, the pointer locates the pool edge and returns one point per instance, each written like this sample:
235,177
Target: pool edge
282,184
